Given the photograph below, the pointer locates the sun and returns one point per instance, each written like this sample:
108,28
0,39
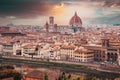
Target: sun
61,5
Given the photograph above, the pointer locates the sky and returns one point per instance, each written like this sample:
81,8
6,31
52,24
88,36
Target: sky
37,12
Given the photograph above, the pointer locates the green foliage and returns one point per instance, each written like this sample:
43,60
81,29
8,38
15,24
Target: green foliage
17,76
45,76
64,76
69,77
66,67
9,71
95,78
78,78
6,67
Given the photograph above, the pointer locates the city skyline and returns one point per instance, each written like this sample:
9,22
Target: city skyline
37,12
59,39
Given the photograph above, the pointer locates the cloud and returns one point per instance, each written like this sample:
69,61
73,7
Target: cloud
25,8
109,19
34,8
98,10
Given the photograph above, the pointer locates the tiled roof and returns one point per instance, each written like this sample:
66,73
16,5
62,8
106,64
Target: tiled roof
68,47
29,46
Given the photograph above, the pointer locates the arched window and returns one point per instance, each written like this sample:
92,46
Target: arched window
115,56
108,56
112,57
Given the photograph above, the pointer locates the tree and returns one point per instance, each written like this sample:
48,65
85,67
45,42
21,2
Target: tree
69,76
64,76
9,71
45,76
59,78
18,76
78,78
95,78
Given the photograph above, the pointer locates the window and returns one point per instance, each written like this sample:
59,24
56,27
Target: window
25,50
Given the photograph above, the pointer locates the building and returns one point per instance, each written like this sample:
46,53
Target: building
47,27
55,28
106,52
29,50
54,52
76,23
7,49
4,28
12,34
64,29
51,22
17,48
83,55
67,52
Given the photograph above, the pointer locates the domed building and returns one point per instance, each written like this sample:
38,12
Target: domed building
75,20
76,23
75,26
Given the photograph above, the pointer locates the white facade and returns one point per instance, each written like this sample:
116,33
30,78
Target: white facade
16,46
67,52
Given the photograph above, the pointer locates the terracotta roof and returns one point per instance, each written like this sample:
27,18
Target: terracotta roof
95,47
68,47
84,51
29,46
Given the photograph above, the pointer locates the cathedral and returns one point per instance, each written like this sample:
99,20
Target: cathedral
75,25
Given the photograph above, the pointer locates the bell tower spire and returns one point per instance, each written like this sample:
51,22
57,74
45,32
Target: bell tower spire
47,27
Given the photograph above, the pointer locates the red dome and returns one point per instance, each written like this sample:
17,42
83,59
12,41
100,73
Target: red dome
75,20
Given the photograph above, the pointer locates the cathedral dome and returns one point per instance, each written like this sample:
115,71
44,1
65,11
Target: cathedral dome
75,20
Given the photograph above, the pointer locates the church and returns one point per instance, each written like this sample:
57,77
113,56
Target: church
75,25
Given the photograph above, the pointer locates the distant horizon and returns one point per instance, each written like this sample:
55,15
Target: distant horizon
84,25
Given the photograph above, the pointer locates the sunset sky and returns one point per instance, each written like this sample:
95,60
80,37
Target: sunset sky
37,12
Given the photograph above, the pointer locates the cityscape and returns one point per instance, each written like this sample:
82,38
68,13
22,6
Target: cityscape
60,40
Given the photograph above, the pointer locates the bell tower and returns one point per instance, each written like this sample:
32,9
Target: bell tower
47,27
51,22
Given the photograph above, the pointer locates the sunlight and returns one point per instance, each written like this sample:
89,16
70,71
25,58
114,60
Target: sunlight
61,5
